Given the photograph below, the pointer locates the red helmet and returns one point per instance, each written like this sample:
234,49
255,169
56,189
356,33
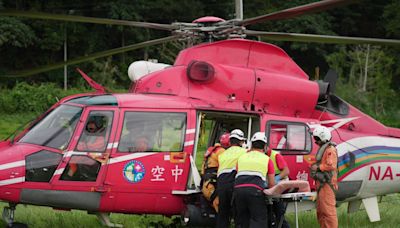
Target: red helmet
224,140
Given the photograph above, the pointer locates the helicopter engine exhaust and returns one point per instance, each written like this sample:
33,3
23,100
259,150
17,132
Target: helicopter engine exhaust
324,91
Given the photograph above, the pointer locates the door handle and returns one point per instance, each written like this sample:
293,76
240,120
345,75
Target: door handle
100,189
352,160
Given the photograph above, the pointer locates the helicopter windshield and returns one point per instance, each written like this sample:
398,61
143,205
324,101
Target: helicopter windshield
55,130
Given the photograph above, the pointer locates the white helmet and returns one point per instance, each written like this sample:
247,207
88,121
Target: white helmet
323,133
237,134
259,136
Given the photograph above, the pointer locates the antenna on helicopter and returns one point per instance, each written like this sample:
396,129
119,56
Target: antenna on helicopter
99,88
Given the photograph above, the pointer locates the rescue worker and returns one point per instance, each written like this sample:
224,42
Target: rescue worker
281,173
210,168
226,176
134,140
324,172
253,170
93,138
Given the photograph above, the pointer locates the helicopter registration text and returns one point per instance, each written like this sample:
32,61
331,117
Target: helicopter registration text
379,173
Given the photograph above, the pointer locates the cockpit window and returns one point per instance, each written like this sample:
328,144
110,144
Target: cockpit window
56,129
96,132
95,100
152,131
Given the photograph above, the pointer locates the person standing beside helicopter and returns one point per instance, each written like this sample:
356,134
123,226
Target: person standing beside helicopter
254,170
226,176
324,172
210,168
281,173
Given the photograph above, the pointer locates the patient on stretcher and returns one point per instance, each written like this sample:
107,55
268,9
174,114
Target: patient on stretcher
288,186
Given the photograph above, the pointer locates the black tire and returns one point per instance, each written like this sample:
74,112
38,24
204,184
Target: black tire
195,217
18,225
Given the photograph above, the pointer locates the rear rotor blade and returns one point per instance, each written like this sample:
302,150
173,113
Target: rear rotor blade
296,11
82,19
278,36
92,56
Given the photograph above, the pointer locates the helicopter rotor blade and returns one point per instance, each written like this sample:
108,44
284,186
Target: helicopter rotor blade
92,57
82,19
278,36
296,11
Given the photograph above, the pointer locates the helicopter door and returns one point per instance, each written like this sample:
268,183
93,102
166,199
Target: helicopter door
212,125
83,166
149,161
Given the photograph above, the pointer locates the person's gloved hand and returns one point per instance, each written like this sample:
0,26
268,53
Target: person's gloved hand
277,179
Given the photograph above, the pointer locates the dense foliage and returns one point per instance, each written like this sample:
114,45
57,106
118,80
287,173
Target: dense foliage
369,75
24,98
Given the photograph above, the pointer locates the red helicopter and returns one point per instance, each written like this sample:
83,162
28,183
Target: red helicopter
136,152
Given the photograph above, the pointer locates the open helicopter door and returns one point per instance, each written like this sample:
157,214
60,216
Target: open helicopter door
211,125
77,182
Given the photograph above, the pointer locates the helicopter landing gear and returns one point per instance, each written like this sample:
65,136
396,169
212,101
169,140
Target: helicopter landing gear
105,220
8,217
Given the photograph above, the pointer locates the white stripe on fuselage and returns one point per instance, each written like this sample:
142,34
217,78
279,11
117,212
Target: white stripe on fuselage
12,181
70,153
339,123
112,145
189,143
59,171
12,165
129,157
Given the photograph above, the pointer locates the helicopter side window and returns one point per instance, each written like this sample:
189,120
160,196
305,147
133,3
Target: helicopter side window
56,129
40,166
152,132
289,137
81,168
97,129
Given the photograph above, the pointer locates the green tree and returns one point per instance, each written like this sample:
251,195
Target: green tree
15,33
365,79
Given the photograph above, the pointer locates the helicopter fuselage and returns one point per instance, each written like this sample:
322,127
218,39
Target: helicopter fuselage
142,158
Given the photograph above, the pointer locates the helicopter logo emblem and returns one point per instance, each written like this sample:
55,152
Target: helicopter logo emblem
134,171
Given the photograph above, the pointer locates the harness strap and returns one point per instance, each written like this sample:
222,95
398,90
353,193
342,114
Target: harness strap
326,175
213,195
209,153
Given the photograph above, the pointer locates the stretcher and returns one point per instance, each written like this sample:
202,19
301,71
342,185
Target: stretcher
290,191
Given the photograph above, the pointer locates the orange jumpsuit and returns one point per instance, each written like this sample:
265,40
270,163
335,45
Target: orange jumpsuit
326,201
92,143
210,163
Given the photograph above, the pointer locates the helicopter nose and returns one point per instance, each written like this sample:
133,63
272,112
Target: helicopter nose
12,174
11,159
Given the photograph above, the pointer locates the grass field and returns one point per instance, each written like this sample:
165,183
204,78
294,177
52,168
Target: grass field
10,123
42,217
36,216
